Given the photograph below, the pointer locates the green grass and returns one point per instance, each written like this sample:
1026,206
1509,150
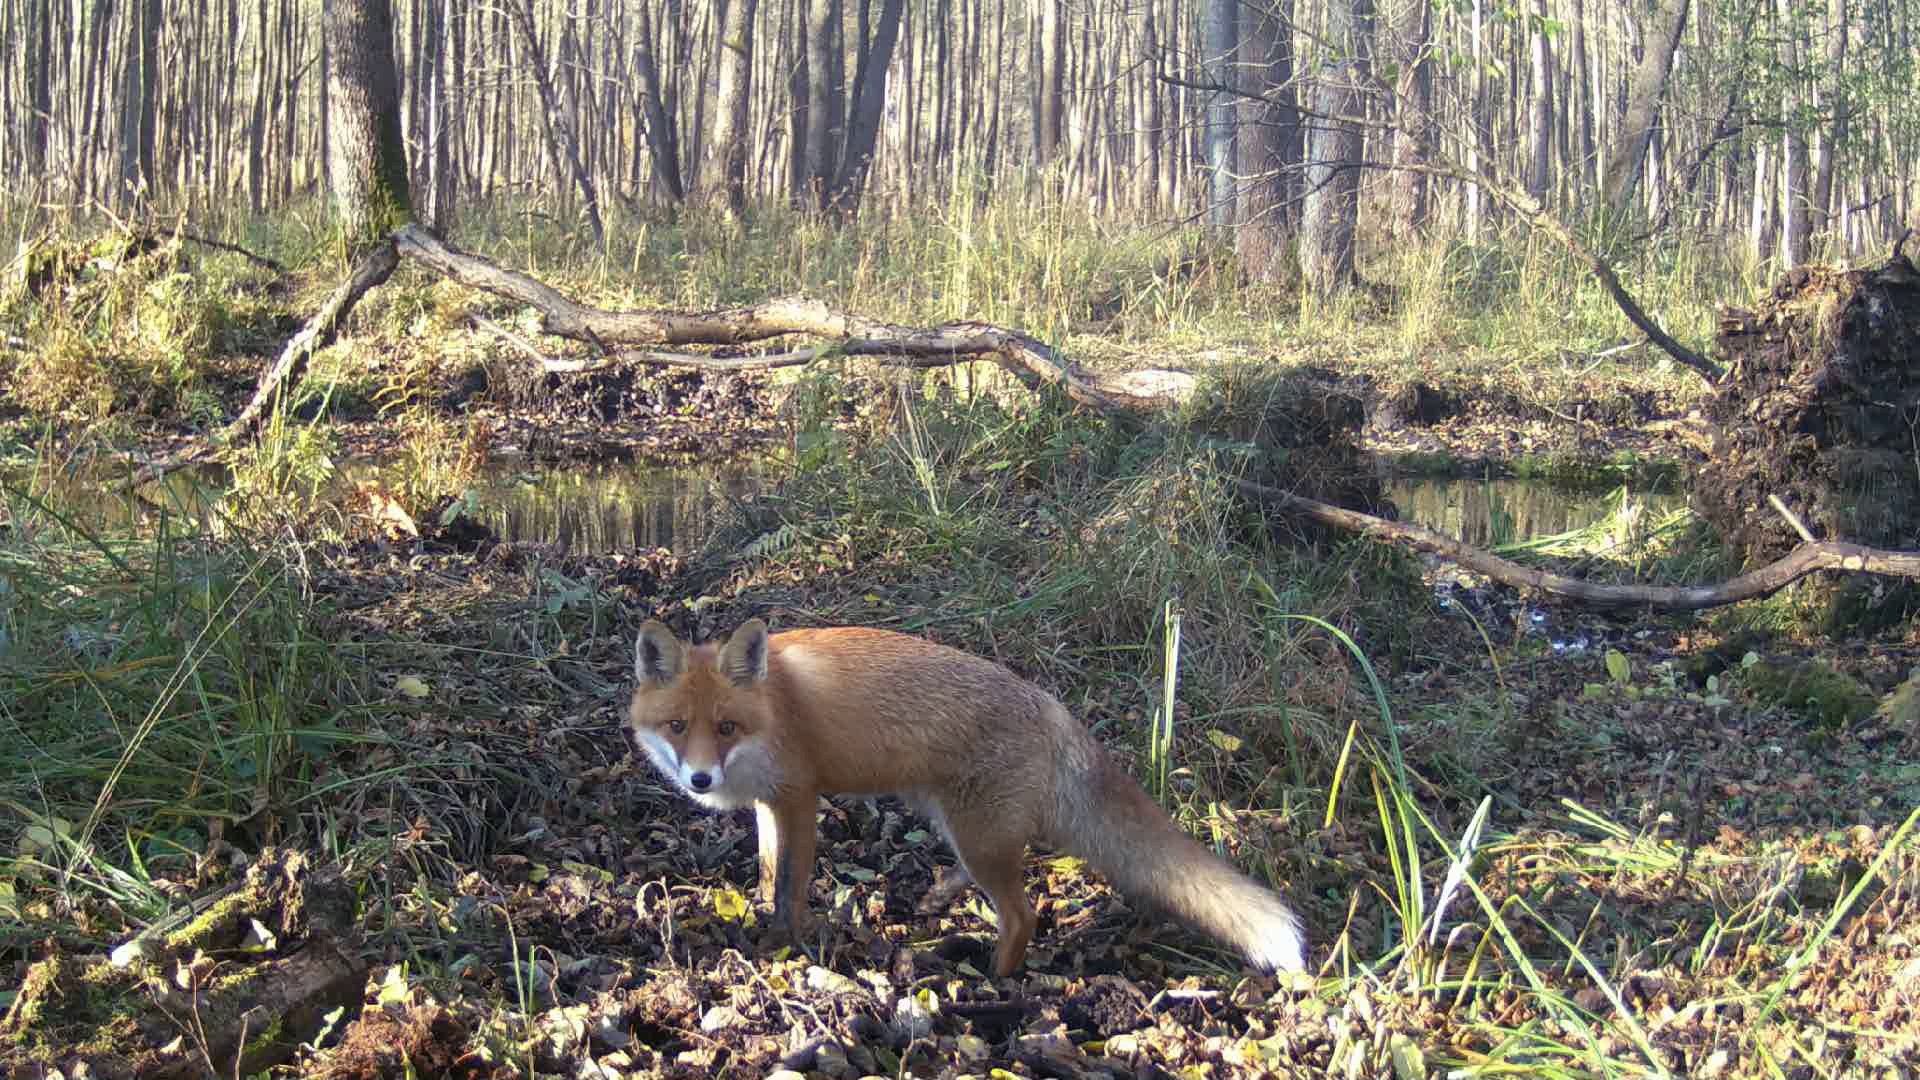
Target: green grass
156,693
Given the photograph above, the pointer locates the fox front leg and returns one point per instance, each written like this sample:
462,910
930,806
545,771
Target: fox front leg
766,826
788,841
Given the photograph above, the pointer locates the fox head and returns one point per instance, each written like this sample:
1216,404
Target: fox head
701,716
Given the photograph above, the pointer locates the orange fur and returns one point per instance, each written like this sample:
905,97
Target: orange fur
997,763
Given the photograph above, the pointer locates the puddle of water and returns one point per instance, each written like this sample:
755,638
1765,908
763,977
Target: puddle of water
1489,513
589,508
609,507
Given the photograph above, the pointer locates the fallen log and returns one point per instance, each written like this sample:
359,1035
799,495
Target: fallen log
1806,559
1028,359
232,987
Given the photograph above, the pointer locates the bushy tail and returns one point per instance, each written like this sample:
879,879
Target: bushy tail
1106,818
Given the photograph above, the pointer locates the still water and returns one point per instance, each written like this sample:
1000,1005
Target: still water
608,507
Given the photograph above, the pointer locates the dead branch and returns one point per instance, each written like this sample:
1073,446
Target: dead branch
1803,560
373,269
221,245
1031,361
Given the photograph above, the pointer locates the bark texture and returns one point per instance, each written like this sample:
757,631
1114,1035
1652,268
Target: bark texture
367,157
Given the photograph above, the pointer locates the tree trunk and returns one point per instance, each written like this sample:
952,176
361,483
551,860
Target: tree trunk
1622,174
663,137
1332,206
1222,41
1413,115
1270,138
39,87
1050,106
1540,110
562,146
826,100
367,166
1479,134
1582,101
1793,144
870,83
1834,100
736,87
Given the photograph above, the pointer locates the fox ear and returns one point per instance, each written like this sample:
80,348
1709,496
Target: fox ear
658,656
744,658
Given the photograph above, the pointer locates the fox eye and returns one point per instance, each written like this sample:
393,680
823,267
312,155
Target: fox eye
727,728
678,727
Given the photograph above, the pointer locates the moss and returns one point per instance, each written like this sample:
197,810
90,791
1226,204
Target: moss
66,1008
1810,690
46,985
217,927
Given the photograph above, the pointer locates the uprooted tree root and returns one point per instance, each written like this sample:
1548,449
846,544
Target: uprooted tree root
1127,396
1817,411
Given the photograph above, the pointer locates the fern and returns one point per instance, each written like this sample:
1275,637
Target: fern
770,544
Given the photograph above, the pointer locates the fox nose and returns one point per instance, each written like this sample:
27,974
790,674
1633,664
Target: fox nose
700,781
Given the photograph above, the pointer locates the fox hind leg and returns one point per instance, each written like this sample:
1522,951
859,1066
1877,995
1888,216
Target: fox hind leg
995,859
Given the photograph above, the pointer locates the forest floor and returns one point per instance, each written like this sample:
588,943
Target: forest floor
1697,857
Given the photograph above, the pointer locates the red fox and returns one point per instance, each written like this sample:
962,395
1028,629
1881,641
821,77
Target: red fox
994,761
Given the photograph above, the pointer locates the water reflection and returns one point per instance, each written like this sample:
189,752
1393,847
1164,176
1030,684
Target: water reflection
1488,513
607,507
621,506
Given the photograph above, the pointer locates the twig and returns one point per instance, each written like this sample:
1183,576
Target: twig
1793,519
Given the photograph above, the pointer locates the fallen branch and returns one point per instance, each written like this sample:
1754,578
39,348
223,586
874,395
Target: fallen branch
1803,560
374,268
221,245
1031,361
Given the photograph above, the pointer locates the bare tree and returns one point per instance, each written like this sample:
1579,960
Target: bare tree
1413,113
736,87
1643,105
662,128
1540,107
1222,42
1331,211
1270,141
869,99
562,144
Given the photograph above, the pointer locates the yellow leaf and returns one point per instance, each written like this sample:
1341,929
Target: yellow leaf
411,686
1224,740
729,904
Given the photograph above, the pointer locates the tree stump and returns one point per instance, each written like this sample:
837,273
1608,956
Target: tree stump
1820,407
